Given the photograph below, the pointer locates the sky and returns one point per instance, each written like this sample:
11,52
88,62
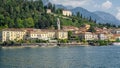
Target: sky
109,6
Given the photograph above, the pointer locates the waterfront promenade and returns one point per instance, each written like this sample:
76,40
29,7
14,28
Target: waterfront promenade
43,45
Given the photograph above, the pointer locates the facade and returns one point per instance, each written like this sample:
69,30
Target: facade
48,11
86,36
67,13
117,36
62,34
12,34
87,26
41,34
47,34
111,37
102,36
95,36
116,31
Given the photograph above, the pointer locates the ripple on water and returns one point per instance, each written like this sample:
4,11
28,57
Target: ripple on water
63,57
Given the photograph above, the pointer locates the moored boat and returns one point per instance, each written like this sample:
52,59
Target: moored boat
116,43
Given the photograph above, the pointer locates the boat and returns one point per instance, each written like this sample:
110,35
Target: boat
116,43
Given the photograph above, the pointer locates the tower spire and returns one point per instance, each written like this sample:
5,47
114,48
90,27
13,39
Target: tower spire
58,23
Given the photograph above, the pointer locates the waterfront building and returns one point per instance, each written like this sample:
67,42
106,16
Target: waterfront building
86,36
41,34
115,31
117,36
51,34
67,13
21,34
61,34
44,34
102,36
12,34
95,36
110,37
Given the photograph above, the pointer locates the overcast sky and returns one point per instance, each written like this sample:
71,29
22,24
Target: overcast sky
110,6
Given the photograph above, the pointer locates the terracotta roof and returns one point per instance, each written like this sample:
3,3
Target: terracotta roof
116,35
13,29
70,28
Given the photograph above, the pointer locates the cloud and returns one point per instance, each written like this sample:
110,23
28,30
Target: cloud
107,5
118,14
97,6
74,3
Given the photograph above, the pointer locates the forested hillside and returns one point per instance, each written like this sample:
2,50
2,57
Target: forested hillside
32,14
23,14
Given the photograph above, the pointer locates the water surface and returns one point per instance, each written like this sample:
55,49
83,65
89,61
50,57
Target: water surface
61,57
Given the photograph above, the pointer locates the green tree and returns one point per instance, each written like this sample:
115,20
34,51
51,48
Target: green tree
69,34
29,22
19,23
92,29
78,14
2,20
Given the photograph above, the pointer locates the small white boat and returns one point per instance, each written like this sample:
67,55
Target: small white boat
116,43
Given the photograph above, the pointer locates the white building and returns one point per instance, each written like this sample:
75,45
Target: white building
62,34
47,34
67,13
48,11
116,31
95,36
102,37
86,36
41,34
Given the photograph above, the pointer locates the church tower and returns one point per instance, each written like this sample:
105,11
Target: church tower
58,24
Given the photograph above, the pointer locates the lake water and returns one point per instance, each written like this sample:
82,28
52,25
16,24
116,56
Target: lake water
61,57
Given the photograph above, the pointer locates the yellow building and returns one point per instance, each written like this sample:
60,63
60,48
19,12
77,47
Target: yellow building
111,37
51,34
62,34
43,34
67,13
12,34
87,26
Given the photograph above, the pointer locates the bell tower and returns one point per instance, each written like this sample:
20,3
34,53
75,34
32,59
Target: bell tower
58,24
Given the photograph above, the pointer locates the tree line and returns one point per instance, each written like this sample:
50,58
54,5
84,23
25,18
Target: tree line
24,14
32,14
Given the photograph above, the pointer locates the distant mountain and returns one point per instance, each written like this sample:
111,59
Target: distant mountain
107,17
87,14
69,7
99,16
45,2
60,6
